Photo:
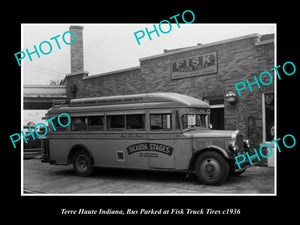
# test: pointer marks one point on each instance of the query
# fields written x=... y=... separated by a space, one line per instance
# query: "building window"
x=269 y=116
x=135 y=122
x=95 y=123
x=160 y=121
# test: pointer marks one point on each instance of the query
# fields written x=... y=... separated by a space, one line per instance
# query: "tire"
x=211 y=168
x=82 y=163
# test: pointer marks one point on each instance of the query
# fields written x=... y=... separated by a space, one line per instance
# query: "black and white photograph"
x=177 y=112
x=165 y=121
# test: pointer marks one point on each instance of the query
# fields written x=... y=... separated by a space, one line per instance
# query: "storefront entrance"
x=268 y=124
x=216 y=113
x=217 y=118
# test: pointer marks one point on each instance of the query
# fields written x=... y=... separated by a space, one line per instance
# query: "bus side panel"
x=136 y=151
x=137 y=160
x=108 y=153
x=58 y=150
x=163 y=156
x=112 y=152
x=183 y=153
x=102 y=148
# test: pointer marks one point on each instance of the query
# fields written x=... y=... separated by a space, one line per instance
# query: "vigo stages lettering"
x=141 y=34
x=13 y=141
x=291 y=71
x=45 y=47
x=264 y=146
x=150 y=147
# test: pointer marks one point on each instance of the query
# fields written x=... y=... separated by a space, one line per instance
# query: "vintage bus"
x=153 y=131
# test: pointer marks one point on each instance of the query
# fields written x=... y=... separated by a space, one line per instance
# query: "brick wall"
x=77 y=50
x=237 y=60
x=122 y=82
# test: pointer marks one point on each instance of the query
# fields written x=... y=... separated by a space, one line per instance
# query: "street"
x=42 y=178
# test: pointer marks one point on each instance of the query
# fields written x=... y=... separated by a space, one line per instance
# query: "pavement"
x=42 y=178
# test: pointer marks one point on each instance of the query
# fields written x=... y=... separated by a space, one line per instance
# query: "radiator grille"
x=239 y=141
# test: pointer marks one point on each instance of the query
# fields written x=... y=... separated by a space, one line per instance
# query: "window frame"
x=161 y=113
x=115 y=129
x=137 y=129
x=88 y=125
x=58 y=128
x=85 y=121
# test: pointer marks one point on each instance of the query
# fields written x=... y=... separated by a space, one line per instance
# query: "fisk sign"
x=194 y=66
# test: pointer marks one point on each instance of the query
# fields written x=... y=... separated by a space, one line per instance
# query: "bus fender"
x=77 y=147
x=214 y=148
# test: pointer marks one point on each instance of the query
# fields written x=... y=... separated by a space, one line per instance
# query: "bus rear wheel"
x=82 y=163
x=211 y=168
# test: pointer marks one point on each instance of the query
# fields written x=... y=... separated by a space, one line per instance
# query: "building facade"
x=207 y=72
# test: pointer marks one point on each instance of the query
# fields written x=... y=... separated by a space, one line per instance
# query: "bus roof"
x=135 y=101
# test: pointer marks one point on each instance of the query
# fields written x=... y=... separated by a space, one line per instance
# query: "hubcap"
x=210 y=168
x=82 y=163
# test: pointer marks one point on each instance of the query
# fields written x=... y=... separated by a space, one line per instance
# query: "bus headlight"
x=246 y=143
x=232 y=146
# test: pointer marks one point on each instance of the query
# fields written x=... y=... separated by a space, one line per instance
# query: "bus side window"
x=116 y=122
x=58 y=128
x=160 y=121
x=95 y=123
x=78 y=123
x=135 y=122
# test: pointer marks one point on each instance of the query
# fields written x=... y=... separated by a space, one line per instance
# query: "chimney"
x=77 y=50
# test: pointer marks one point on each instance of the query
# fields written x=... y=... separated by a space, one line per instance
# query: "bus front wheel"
x=211 y=168
x=82 y=163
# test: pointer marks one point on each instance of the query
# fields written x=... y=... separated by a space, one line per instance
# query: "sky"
x=109 y=47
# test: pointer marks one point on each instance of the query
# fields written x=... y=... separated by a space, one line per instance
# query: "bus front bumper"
x=242 y=163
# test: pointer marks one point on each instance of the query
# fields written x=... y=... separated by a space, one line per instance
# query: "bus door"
x=161 y=141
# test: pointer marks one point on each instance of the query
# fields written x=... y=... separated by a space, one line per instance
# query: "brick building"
x=207 y=71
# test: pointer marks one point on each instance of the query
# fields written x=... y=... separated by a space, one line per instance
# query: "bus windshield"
x=195 y=121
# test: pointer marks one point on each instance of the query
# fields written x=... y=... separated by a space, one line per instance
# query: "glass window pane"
x=160 y=121
x=95 y=123
x=78 y=124
x=116 y=122
x=63 y=120
x=135 y=121
x=156 y=123
x=166 y=121
x=195 y=120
